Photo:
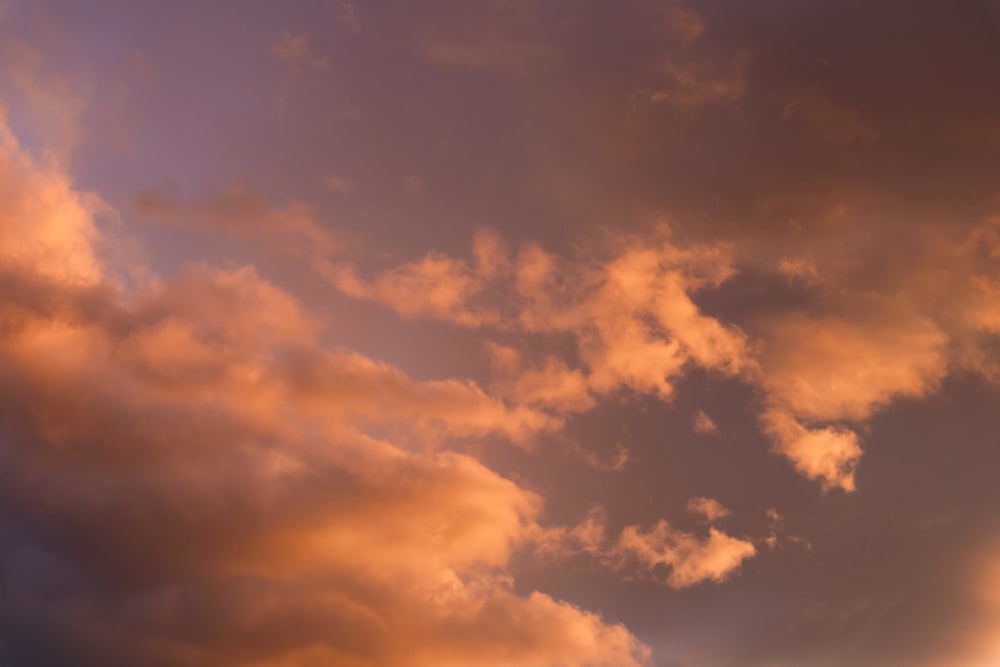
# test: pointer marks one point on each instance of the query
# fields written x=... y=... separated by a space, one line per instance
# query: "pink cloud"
x=194 y=437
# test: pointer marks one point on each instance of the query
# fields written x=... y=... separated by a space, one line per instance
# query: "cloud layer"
x=499 y=333
x=188 y=448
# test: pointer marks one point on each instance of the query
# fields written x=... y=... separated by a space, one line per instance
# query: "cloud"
x=799 y=270
x=436 y=285
x=828 y=455
x=870 y=332
x=295 y=50
x=776 y=522
x=636 y=326
x=291 y=228
x=679 y=559
x=553 y=385
x=830 y=368
x=48 y=230
x=708 y=508
x=209 y=485
x=631 y=315
x=688 y=559
x=703 y=424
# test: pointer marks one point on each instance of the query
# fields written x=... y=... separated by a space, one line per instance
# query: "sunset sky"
x=499 y=333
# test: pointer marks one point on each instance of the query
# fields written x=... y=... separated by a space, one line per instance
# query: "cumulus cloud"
x=553 y=385
x=838 y=368
x=211 y=486
x=834 y=369
x=634 y=324
x=436 y=285
x=689 y=560
x=869 y=333
x=677 y=558
x=48 y=230
x=631 y=315
x=828 y=455
x=708 y=508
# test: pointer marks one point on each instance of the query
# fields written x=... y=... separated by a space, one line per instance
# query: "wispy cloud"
x=295 y=50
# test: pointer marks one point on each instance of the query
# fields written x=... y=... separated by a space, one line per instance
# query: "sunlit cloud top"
x=499 y=333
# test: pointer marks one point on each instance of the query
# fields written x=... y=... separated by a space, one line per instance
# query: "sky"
x=499 y=333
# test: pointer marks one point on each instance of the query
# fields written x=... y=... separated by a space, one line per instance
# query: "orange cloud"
x=690 y=560
x=837 y=368
x=48 y=229
x=554 y=385
x=829 y=455
x=634 y=323
x=684 y=558
x=192 y=447
x=631 y=315
x=709 y=508
x=436 y=285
